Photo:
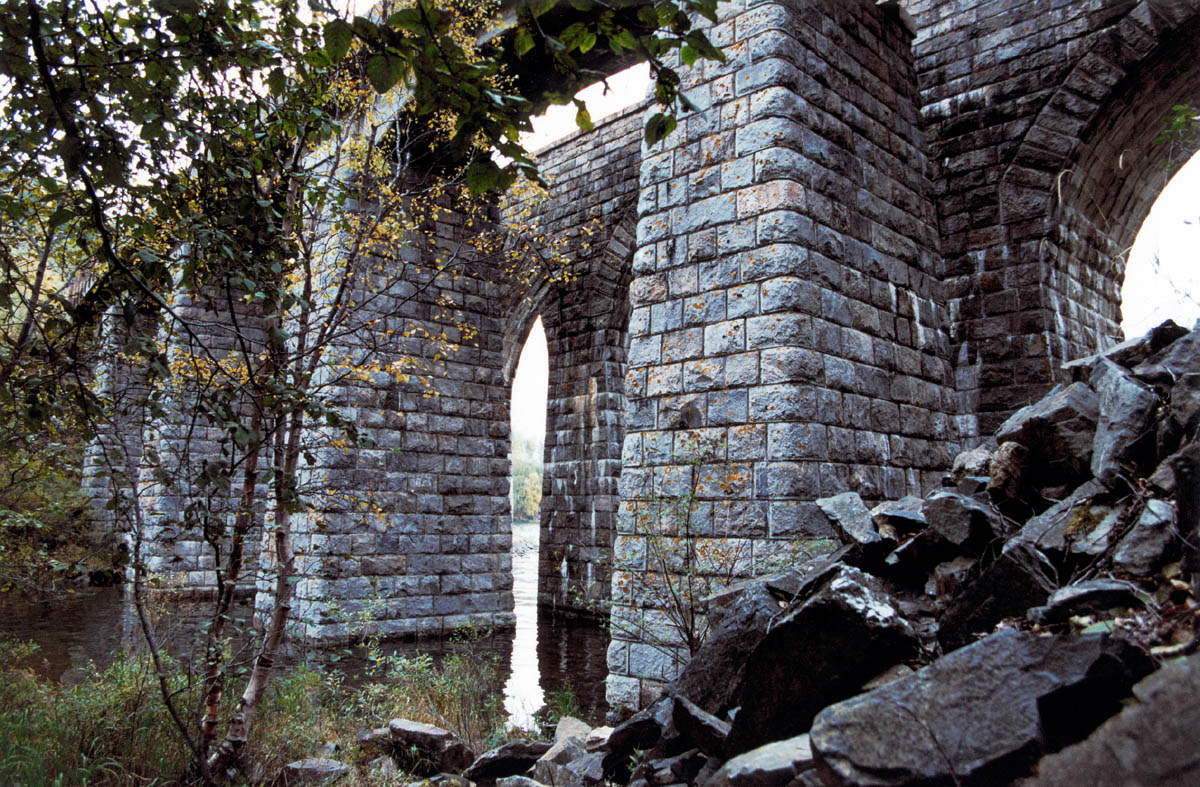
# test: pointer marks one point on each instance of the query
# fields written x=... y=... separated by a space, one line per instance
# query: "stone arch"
x=1095 y=144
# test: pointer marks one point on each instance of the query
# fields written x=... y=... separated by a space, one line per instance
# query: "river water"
x=546 y=655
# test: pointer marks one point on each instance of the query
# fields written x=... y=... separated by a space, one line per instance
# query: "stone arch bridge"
x=883 y=230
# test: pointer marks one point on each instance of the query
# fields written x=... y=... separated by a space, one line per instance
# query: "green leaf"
x=658 y=127
x=482 y=176
x=524 y=41
x=381 y=73
x=275 y=81
x=586 y=42
x=583 y=118
x=338 y=35
x=689 y=55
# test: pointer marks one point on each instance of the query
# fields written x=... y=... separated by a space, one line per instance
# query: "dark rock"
x=910 y=563
x=1058 y=430
x=315 y=771
x=951 y=577
x=1128 y=353
x=1123 y=431
x=896 y=518
x=518 y=781
x=850 y=518
x=713 y=677
x=1185 y=405
x=1077 y=524
x=981 y=715
x=1179 y=357
x=1019 y=579
x=703 y=730
x=680 y=769
x=426 y=750
x=844 y=630
x=773 y=765
x=1087 y=597
x=587 y=770
x=639 y=732
x=1151 y=742
x=1144 y=548
x=511 y=759
x=974 y=484
x=965 y=522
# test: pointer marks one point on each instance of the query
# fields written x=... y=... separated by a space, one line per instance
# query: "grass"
x=113 y=729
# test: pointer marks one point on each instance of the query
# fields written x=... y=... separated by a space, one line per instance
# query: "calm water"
x=545 y=654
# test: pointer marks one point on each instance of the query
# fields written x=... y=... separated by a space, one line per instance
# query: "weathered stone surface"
x=518 y=781
x=597 y=738
x=895 y=518
x=1128 y=353
x=850 y=518
x=772 y=765
x=713 y=678
x=1058 y=430
x=1150 y=742
x=1123 y=430
x=639 y=732
x=703 y=730
x=981 y=715
x=680 y=769
x=551 y=767
x=425 y=750
x=1141 y=551
x=378 y=740
x=967 y=523
x=1089 y=596
x=976 y=462
x=1009 y=472
x=1020 y=578
x=844 y=630
x=316 y=771
x=951 y=577
x=512 y=759
x=571 y=727
x=1075 y=523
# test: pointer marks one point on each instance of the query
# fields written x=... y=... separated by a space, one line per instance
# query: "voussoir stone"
x=983 y=714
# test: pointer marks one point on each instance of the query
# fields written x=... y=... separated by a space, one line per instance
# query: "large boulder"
x=640 y=732
x=981 y=715
x=1153 y=741
x=713 y=678
x=1019 y=579
x=1058 y=430
x=1128 y=353
x=1123 y=432
x=701 y=729
x=842 y=631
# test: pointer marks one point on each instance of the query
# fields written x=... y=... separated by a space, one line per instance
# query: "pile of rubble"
x=1031 y=622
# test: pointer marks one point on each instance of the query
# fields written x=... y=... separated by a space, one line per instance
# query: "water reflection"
x=546 y=655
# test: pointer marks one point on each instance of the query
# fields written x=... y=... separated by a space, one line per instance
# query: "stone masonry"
x=883 y=230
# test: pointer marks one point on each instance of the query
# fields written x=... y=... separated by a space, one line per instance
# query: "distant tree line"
x=526 y=476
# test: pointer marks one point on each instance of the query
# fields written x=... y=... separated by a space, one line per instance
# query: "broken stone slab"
x=1151 y=742
x=550 y=767
x=1020 y=578
x=1180 y=357
x=702 y=729
x=980 y=715
x=850 y=518
x=713 y=677
x=640 y=732
x=844 y=630
x=1088 y=597
x=1128 y=353
x=950 y=577
x=313 y=771
x=910 y=563
x=1058 y=430
x=1009 y=469
x=967 y=523
x=772 y=765
x=680 y=769
x=896 y=518
x=1144 y=548
x=1123 y=431
x=376 y=741
x=512 y=759
x=596 y=739
x=1074 y=524
x=571 y=727
x=426 y=750
x=975 y=462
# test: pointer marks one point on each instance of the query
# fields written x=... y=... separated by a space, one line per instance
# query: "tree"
x=201 y=157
